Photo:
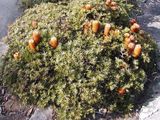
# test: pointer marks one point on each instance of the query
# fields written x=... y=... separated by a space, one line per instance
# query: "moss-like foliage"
x=87 y=71
x=31 y=3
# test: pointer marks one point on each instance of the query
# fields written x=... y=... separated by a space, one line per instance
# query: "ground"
x=150 y=22
x=9 y=11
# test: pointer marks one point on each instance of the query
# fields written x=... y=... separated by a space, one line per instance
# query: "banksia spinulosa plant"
x=83 y=72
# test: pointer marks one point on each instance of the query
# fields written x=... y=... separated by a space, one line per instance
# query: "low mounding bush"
x=31 y=3
x=81 y=57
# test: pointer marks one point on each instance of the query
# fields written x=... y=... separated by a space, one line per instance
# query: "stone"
x=2 y=117
x=154 y=117
x=42 y=114
x=150 y=21
x=149 y=110
x=9 y=11
x=29 y=112
x=0 y=110
x=2 y=91
x=6 y=97
x=15 y=117
x=12 y=106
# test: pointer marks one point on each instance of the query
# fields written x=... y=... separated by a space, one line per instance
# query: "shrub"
x=87 y=71
x=31 y=3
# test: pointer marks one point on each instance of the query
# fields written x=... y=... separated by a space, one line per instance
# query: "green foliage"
x=31 y=3
x=85 y=72
x=1 y=66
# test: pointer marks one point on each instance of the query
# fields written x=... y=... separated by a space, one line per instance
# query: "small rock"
x=103 y=111
x=0 y=110
x=12 y=105
x=45 y=114
x=29 y=112
x=1 y=117
x=14 y=97
x=144 y=109
x=154 y=24
x=156 y=116
x=6 y=97
x=2 y=92
x=16 y=116
x=8 y=105
x=150 y=109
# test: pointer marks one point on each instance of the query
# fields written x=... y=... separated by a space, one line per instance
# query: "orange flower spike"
x=32 y=45
x=113 y=3
x=86 y=27
x=132 y=21
x=114 y=6
x=126 y=42
x=36 y=36
x=135 y=27
x=53 y=42
x=107 y=29
x=137 y=51
x=88 y=7
x=34 y=24
x=132 y=38
x=126 y=35
x=95 y=26
x=121 y=91
x=17 y=56
x=108 y=2
x=131 y=47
